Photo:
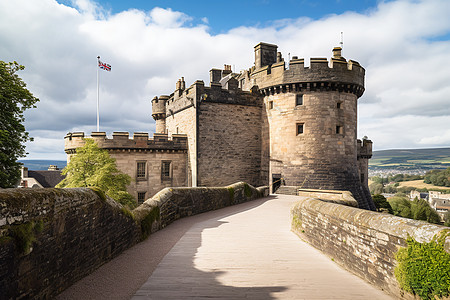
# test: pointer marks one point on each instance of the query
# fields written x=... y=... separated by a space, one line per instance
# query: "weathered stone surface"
x=81 y=230
x=362 y=241
x=153 y=151
x=176 y=203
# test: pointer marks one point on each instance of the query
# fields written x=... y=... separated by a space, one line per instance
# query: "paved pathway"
x=249 y=252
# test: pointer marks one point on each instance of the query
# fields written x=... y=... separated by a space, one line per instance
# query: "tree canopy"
x=438 y=177
x=14 y=100
x=92 y=166
x=382 y=204
x=418 y=209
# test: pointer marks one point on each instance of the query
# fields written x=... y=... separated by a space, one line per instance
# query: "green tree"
x=438 y=177
x=14 y=100
x=421 y=210
x=418 y=209
x=447 y=219
x=382 y=204
x=376 y=188
x=401 y=206
x=92 y=166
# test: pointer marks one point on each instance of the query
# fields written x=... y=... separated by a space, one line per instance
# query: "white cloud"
x=401 y=44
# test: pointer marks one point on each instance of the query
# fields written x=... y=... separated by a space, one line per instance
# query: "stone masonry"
x=275 y=123
x=150 y=154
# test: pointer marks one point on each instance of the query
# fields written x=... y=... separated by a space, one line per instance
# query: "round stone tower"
x=310 y=119
x=159 y=113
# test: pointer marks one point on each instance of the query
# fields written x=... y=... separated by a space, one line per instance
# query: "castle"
x=275 y=123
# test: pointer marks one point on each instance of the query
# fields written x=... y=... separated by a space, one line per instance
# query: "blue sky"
x=222 y=16
x=403 y=45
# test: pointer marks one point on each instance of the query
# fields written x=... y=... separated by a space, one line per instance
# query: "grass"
x=411 y=158
x=420 y=185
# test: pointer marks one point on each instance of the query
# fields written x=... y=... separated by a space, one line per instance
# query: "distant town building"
x=413 y=194
x=440 y=202
x=41 y=179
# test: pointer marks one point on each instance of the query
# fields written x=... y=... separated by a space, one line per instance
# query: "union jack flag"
x=104 y=66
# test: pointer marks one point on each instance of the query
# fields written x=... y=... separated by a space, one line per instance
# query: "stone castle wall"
x=153 y=152
x=72 y=232
x=223 y=128
x=311 y=144
x=311 y=121
x=185 y=122
x=361 y=241
x=321 y=157
x=229 y=146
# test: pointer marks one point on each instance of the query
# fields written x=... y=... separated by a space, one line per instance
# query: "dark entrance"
x=276 y=182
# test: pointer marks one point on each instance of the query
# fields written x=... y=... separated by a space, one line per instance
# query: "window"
x=141 y=197
x=298 y=99
x=140 y=170
x=300 y=128
x=339 y=129
x=270 y=104
x=165 y=170
x=339 y=105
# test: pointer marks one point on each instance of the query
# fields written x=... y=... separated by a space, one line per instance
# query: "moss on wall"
x=147 y=221
x=231 y=193
x=424 y=268
x=247 y=190
x=127 y=212
x=25 y=234
x=99 y=192
x=296 y=223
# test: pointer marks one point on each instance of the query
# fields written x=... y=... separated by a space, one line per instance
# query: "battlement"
x=322 y=74
x=364 y=148
x=224 y=88
x=121 y=141
x=159 y=107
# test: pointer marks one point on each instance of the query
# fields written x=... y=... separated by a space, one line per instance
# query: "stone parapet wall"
x=338 y=75
x=51 y=238
x=361 y=241
x=172 y=204
x=71 y=233
x=339 y=197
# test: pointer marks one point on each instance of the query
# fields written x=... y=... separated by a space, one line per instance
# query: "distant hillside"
x=410 y=159
x=42 y=164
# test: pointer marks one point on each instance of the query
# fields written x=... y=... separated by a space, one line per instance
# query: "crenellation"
x=269 y=123
x=121 y=140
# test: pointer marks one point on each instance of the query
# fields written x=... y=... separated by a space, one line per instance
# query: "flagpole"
x=98 y=96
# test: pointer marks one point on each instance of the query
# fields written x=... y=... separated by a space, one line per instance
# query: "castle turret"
x=159 y=113
x=310 y=117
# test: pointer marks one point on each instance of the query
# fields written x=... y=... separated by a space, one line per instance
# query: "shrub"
x=423 y=268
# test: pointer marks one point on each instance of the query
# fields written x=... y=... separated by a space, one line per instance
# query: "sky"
x=403 y=45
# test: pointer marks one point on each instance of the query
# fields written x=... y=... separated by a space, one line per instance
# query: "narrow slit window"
x=339 y=129
x=300 y=128
x=299 y=99
x=270 y=104
x=165 y=170
x=339 y=105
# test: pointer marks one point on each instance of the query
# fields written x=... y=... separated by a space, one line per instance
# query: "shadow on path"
x=124 y=275
x=178 y=275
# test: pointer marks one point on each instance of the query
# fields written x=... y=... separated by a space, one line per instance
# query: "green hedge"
x=424 y=268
